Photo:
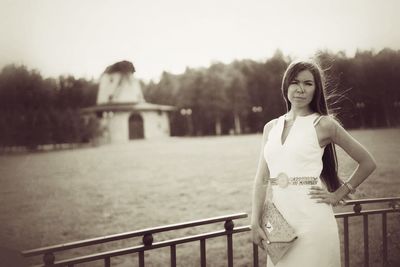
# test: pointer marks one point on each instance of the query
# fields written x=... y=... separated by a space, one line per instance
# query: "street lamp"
x=187 y=112
x=396 y=105
x=257 y=111
x=360 y=106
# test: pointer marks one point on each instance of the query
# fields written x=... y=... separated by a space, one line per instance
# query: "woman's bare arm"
x=330 y=131
x=260 y=191
x=339 y=136
x=260 y=181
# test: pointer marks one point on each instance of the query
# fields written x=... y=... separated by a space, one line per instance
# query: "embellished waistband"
x=283 y=180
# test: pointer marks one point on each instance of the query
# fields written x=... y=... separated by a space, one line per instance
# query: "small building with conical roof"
x=122 y=110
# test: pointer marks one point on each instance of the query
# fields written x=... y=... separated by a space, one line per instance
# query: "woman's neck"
x=294 y=112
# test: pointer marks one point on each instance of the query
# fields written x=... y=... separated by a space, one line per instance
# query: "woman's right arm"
x=260 y=190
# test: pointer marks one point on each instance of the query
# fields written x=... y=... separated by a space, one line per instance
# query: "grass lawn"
x=62 y=196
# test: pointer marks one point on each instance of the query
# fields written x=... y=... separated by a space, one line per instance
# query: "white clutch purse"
x=280 y=234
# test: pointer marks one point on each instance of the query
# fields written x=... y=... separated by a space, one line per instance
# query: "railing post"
x=229 y=225
x=48 y=259
x=107 y=262
x=230 y=250
x=357 y=208
x=366 y=242
x=203 y=261
x=255 y=255
x=346 y=241
x=147 y=241
x=141 y=258
x=173 y=256
x=384 y=240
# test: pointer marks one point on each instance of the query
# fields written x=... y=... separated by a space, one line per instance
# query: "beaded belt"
x=283 y=180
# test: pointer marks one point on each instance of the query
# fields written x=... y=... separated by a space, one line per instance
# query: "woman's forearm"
x=363 y=170
x=259 y=194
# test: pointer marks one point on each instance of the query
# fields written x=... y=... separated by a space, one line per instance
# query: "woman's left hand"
x=322 y=195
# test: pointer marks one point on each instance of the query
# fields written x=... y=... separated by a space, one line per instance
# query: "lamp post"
x=187 y=113
x=360 y=106
x=256 y=111
x=396 y=105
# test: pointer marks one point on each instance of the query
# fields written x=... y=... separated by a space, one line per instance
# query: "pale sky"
x=83 y=37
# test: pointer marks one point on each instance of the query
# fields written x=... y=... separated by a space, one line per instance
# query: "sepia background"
x=218 y=65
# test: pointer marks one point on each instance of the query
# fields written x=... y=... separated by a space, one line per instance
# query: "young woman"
x=298 y=160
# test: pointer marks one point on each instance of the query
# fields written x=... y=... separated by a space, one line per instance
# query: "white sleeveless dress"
x=300 y=155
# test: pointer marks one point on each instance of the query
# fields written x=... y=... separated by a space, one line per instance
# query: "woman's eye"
x=293 y=82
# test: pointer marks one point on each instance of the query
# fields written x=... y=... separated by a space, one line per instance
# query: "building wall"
x=156 y=124
x=118 y=127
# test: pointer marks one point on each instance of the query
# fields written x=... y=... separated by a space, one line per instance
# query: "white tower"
x=117 y=85
x=122 y=110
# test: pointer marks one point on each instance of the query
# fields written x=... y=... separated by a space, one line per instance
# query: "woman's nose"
x=300 y=88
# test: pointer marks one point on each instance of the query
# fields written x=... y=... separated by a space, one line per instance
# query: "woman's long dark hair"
x=318 y=104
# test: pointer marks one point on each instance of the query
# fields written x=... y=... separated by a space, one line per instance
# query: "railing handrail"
x=115 y=237
x=364 y=212
x=160 y=244
x=371 y=200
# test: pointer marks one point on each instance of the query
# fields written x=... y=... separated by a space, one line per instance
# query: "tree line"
x=36 y=111
x=363 y=92
x=239 y=97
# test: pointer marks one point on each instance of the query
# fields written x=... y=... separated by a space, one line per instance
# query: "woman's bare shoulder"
x=268 y=126
x=327 y=124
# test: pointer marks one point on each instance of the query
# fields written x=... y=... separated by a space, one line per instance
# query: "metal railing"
x=394 y=206
x=49 y=259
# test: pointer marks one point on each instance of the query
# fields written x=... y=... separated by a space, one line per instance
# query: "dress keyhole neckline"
x=283 y=142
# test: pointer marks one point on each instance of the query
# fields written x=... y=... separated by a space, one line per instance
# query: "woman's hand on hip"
x=322 y=195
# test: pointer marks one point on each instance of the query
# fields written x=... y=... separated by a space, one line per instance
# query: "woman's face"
x=301 y=89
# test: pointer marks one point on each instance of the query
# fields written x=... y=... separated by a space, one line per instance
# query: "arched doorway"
x=136 y=127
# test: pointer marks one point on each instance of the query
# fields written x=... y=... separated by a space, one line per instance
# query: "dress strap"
x=317 y=120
